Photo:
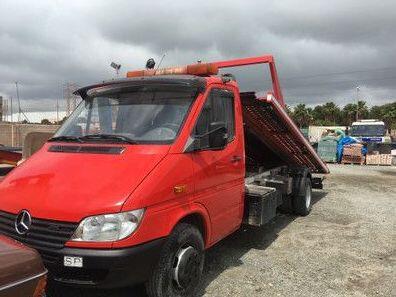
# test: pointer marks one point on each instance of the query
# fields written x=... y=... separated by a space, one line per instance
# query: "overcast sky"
x=323 y=48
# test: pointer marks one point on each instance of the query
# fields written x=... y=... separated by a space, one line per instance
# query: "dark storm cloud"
x=44 y=44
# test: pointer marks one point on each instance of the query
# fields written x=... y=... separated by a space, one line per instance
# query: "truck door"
x=219 y=173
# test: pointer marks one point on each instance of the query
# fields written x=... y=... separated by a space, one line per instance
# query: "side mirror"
x=215 y=139
x=218 y=135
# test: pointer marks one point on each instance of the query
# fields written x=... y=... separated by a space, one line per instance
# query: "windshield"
x=368 y=130
x=141 y=115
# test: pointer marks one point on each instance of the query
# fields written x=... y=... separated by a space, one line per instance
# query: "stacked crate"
x=327 y=150
x=352 y=154
x=373 y=158
x=386 y=159
x=379 y=159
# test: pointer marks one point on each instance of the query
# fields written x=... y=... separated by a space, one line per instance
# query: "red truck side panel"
x=219 y=179
x=214 y=176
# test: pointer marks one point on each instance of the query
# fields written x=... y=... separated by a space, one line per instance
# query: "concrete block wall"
x=5 y=134
x=12 y=134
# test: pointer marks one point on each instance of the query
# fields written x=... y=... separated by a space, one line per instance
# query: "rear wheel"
x=181 y=263
x=302 y=201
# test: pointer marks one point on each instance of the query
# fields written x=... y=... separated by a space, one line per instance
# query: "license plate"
x=69 y=261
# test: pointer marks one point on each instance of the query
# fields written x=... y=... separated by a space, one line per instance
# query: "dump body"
x=268 y=121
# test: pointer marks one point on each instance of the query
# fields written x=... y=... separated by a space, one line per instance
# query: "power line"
x=314 y=75
x=337 y=73
x=344 y=81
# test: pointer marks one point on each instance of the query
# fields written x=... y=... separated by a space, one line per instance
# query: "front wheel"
x=180 y=267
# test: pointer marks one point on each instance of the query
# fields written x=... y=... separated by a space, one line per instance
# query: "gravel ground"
x=345 y=247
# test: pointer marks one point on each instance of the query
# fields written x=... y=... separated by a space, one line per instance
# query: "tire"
x=180 y=267
x=287 y=205
x=302 y=200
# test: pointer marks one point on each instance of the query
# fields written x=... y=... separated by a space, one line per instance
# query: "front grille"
x=80 y=276
x=44 y=235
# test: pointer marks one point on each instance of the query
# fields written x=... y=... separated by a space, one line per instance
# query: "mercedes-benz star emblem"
x=23 y=222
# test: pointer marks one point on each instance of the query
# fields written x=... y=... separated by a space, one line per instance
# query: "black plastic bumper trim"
x=122 y=267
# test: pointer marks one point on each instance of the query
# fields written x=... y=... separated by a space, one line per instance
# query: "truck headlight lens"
x=108 y=227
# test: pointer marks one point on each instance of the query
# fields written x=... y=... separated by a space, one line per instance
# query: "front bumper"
x=106 y=268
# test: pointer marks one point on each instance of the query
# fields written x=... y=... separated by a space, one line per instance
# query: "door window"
x=219 y=107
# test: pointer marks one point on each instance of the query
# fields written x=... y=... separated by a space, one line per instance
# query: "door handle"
x=236 y=159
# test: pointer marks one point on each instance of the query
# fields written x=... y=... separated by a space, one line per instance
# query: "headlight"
x=108 y=227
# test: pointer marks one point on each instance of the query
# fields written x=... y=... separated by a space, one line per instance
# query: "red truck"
x=150 y=171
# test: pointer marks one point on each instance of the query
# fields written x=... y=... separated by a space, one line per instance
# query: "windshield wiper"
x=66 y=138
x=111 y=137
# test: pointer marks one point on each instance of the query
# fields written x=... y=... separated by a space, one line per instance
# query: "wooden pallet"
x=351 y=163
x=359 y=160
x=353 y=150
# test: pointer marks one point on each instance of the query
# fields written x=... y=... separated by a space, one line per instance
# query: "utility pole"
x=69 y=97
x=20 y=111
x=19 y=102
x=6 y=108
x=57 y=110
x=357 y=103
x=2 y=108
x=12 y=112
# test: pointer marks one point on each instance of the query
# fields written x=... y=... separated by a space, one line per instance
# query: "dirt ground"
x=345 y=247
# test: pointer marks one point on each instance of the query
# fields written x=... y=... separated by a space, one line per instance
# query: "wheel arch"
x=198 y=218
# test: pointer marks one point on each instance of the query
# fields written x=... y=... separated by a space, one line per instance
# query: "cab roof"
x=185 y=80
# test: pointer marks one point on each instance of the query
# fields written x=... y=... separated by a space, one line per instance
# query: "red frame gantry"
x=267 y=59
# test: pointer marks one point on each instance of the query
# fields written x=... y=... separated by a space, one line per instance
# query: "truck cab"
x=150 y=171
x=370 y=131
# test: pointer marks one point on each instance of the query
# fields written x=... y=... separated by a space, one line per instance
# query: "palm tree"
x=362 y=110
x=376 y=112
x=317 y=114
x=302 y=115
x=351 y=112
x=331 y=113
x=348 y=114
x=389 y=116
